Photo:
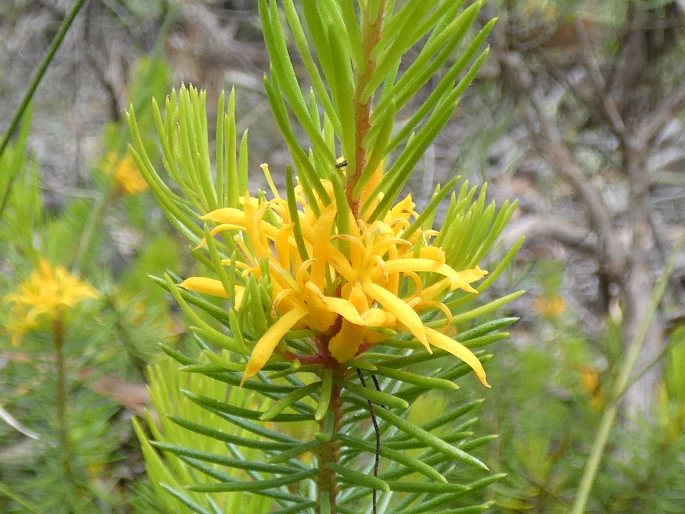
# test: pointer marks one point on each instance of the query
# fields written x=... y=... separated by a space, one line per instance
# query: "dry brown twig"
x=625 y=262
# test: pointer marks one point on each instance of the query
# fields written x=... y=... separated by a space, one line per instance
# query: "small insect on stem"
x=341 y=163
x=372 y=412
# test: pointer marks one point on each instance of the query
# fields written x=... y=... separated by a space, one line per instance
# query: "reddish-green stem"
x=371 y=33
x=62 y=414
x=329 y=452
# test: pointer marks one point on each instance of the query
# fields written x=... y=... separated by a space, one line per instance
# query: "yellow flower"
x=125 y=174
x=43 y=296
x=590 y=378
x=549 y=307
x=353 y=289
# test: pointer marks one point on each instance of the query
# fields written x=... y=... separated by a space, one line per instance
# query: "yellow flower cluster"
x=549 y=307
x=352 y=289
x=43 y=296
x=125 y=174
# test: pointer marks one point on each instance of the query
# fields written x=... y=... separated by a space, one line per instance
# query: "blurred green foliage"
x=549 y=390
x=548 y=386
x=106 y=346
x=163 y=491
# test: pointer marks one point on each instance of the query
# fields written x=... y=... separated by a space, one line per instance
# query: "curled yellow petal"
x=459 y=351
x=227 y=215
x=473 y=274
x=337 y=260
x=239 y=293
x=378 y=318
x=246 y=220
x=205 y=286
x=434 y=290
x=268 y=342
x=404 y=209
x=269 y=180
x=432 y=252
x=321 y=244
x=280 y=296
x=217 y=230
x=399 y=308
x=384 y=246
x=426 y=304
x=469 y=275
x=356 y=296
x=410 y=264
x=463 y=285
x=344 y=345
x=238 y=264
x=302 y=274
x=344 y=308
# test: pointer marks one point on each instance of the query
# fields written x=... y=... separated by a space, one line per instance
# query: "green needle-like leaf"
x=487 y=308
x=440 y=499
x=294 y=452
x=398 y=456
x=257 y=428
x=361 y=479
x=486 y=328
x=428 y=439
x=180 y=357
x=226 y=478
x=425 y=487
x=194 y=506
x=324 y=394
x=374 y=396
x=218 y=338
x=448 y=417
x=429 y=210
x=419 y=380
x=253 y=486
x=468 y=510
x=228 y=438
x=286 y=401
x=295 y=509
x=238 y=411
x=223 y=460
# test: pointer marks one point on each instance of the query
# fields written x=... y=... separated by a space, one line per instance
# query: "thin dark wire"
x=377 y=457
x=378 y=386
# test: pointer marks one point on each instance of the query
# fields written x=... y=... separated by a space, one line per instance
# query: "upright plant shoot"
x=341 y=300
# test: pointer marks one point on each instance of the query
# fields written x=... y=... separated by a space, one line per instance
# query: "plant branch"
x=62 y=413
x=607 y=421
x=605 y=100
x=662 y=114
x=329 y=453
x=371 y=33
x=377 y=431
x=98 y=211
x=40 y=72
x=548 y=226
x=549 y=141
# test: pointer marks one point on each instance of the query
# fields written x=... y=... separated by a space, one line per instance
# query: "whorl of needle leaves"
x=352 y=54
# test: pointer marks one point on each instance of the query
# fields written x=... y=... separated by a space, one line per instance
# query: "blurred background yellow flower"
x=549 y=307
x=43 y=296
x=125 y=174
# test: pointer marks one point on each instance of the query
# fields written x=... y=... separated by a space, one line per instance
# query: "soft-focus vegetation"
x=578 y=112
